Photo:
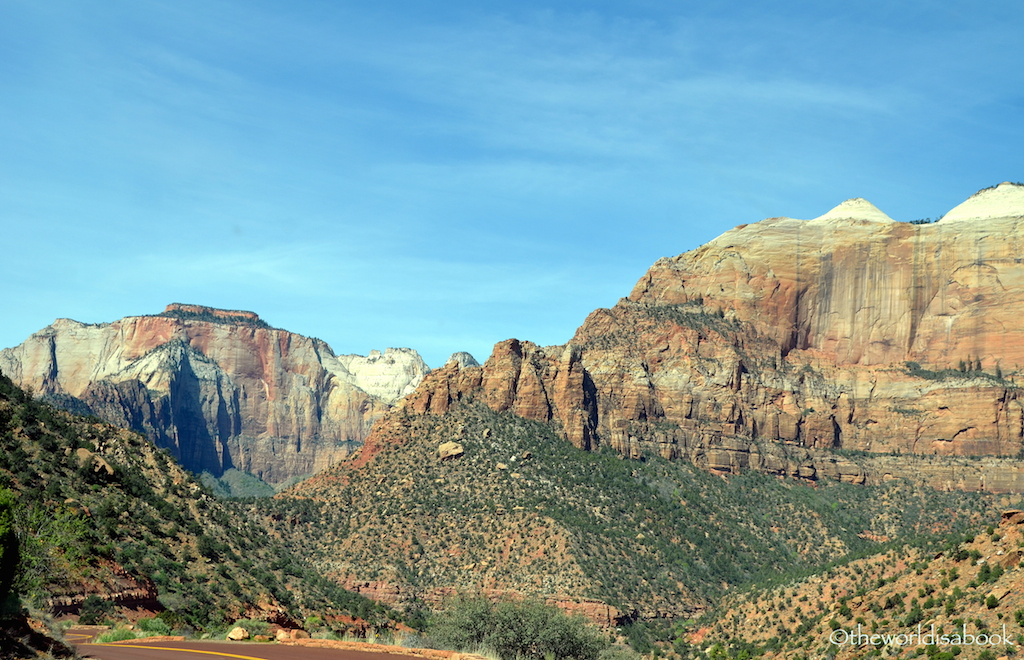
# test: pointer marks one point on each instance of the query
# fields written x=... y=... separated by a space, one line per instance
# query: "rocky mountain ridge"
x=782 y=341
x=219 y=388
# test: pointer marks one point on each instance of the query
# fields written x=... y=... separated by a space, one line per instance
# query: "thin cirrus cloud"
x=336 y=275
x=511 y=94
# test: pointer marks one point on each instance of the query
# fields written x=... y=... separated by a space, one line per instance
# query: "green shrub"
x=116 y=635
x=619 y=653
x=154 y=626
x=254 y=627
x=94 y=611
x=513 y=630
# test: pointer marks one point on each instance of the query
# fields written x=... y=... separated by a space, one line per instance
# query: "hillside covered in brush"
x=102 y=513
x=970 y=587
x=522 y=510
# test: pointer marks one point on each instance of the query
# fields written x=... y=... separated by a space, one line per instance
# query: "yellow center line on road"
x=165 y=648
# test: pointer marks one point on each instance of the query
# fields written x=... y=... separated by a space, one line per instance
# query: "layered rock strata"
x=219 y=388
x=780 y=342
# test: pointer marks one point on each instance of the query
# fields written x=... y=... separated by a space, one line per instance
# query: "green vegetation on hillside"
x=693 y=315
x=642 y=535
x=970 y=583
x=99 y=510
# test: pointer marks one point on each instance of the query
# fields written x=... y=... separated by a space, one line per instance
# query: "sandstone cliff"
x=782 y=341
x=219 y=388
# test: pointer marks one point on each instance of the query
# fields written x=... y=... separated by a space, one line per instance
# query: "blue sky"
x=448 y=175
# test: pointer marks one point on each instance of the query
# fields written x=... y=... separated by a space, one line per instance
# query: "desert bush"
x=94 y=610
x=116 y=635
x=619 y=653
x=154 y=626
x=528 y=629
x=254 y=627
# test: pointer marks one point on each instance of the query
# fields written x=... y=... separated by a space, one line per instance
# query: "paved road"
x=211 y=650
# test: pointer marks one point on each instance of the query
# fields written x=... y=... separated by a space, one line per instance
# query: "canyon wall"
x=218 y=388
x=780 y=342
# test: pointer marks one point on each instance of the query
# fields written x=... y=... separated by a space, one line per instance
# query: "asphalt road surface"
x=210 y=650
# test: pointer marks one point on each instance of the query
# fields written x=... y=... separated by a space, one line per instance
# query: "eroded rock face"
x=782 y=339
x=219 y=388
x=857 y=289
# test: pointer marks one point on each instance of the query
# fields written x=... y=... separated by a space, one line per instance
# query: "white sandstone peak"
x=1002 y=201
x=388 y=376
x=463 y=359
x=855 y=209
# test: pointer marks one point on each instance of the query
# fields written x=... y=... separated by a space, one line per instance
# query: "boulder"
x=284 y=634
x=238 y=633
x=999 y=593
x=98 y=464
x=450 y=450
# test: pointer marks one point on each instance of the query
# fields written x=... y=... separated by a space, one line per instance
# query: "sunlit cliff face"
x=796 y=333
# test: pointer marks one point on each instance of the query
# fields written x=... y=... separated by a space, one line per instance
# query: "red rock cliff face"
x=539 y=384
x=782 y=339
x=221 y=393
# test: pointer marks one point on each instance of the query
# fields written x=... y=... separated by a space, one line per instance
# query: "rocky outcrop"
x=118 y=587
x=598 y=612
x=220 y=389
x=782 y=341
x=98 y=464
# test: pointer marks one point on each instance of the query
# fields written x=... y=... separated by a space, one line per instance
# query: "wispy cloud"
x=358 y=272
x=481 y=172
